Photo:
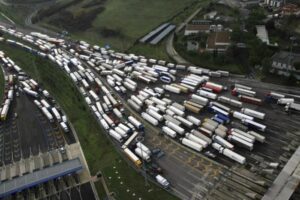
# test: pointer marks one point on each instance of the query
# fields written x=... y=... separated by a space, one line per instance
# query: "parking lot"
x=195 y=177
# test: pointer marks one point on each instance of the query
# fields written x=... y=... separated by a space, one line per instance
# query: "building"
x=218 y=41
x=193 y=29
x=290 y=9
x=274 y=3
x=283 y=63
x=262 y=34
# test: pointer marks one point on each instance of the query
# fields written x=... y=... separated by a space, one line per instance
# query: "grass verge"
x=98 y=150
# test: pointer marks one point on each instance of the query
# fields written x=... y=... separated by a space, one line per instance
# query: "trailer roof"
x=30 y=180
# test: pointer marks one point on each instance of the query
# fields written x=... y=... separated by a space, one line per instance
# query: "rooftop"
x=32 y=179
x=218 y=40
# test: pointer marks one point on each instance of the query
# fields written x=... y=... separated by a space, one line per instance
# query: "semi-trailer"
x=121 y=132
x=217 y=88
x=242 y=86
x=230 y=154
x=193 y=104
x=117 y=112
x=184 y=121
x=136 y=123
x=108 y=120
x=284 y=101
x=129 y=140
x=240 y=132
x=150 y=119
x=219 y=105
x=191 y=144
x=115 y=135
x=56 y=114
x=171 y=88
x=207 y=94
x=171 y=119
x=169 y=131
x=292 y=107
x=180 y=87
x=176 y=111
x=255 y=125
x=258 y=137
x=251 y=100
x=175 y=127
x=218 y=111
x=144 y=148
x=162 y=181
x=158 y=101
x=201 y=100
x=194 y=120
x=142 y=154
x=240 y=142
x=220 y=132
x=47 y=114
x=230 y=101
x=31 y=92
x=241 y=91
x=191 y=108
x=205 y=131
x=196 y=139
x=104 y=124
x=241 y=116
x=133 y=157
x=253 y=113
x=222 y=142
x=135 y=106
x=202 y=136
x=155 y=115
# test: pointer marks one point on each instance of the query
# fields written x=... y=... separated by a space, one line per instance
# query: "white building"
x=274 y=3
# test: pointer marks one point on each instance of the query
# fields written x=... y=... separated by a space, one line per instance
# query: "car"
x=160 y=154
x=156 y=151
x=210 y=154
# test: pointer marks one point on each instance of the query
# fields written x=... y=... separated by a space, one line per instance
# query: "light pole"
x=141 y=139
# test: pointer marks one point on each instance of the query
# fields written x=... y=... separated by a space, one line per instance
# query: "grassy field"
x=98 y=150
x=121 y=22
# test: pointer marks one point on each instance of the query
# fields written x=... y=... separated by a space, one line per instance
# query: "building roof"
x=29 y=180
x=286 y=57
x=218 y=40
x=197 y=27
x=163 y=34
x=262 y=33
x=287 y=181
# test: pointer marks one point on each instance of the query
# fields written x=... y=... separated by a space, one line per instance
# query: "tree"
x=266 y=65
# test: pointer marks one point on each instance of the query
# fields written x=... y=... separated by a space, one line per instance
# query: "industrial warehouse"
x=197 y=133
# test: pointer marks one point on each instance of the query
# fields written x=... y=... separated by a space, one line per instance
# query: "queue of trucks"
x=30 y=87
x=232 y=122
